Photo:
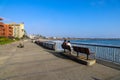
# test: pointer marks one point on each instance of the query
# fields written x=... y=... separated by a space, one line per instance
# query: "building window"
x=1 y=26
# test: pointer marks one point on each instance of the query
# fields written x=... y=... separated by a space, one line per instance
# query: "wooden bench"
x=82 y=50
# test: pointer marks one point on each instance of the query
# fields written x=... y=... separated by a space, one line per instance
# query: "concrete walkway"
x=35 y=63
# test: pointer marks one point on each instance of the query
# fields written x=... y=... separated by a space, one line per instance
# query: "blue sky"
x=65 y=18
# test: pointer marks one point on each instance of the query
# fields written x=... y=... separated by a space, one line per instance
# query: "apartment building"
x=18 y=29
x=6 y=30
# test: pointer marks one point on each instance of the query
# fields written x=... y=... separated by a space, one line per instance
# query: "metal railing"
x=104 y=52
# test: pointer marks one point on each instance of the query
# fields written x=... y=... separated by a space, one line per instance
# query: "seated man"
x=70 y=46
x=67 y=45
x=64 y=45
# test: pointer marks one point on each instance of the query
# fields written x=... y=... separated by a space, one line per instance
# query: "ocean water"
x=110 y=42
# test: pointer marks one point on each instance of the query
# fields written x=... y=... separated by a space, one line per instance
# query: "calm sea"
x=111 y=42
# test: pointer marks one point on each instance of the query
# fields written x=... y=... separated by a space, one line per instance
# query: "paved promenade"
x=35 y=63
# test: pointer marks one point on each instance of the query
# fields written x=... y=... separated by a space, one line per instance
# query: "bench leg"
x=94 y=56
x=70 y=53
x=87 y=57
x=77 y=54
x=64 y=50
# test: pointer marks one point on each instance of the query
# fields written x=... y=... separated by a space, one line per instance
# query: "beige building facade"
x=18 y=30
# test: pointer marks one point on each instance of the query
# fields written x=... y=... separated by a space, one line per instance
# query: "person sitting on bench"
x=64 y=45
x=69 y=44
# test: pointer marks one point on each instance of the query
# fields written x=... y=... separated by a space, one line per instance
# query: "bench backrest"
x=81 y=50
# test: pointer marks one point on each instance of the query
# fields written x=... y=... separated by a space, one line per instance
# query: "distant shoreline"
x=90 y=39
x=99 y=38
x=79 y=39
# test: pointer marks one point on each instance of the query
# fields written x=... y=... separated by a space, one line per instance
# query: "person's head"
x=65 y=40
x=69 y=41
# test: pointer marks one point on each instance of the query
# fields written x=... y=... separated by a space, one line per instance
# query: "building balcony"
x=1 y=26
x=10 y=30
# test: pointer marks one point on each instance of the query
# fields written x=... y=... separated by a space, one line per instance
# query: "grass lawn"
x=5 y=41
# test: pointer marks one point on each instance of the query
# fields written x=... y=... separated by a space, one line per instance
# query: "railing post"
x=87 y=56
x=114 y=56
x=77 y=54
